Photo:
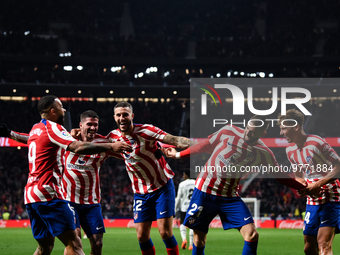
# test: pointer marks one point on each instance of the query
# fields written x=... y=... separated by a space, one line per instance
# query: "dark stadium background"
x=146 y=52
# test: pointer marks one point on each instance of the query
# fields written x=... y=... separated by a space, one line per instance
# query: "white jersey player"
x=184 y=193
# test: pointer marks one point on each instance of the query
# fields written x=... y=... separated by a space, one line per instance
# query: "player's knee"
x=142 y=237
x=310 y=249
x=45 y=249
x=96 y=247
x=165 y=234
x=325 y=245
x=254 y=236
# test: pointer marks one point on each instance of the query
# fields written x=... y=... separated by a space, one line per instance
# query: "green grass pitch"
x=122 y=241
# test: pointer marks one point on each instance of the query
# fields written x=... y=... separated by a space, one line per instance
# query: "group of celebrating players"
x=63 y=187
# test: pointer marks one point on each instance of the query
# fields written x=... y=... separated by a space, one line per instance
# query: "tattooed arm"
x=179 y=141
x=87 y=148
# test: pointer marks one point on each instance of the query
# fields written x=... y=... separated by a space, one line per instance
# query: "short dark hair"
x=256 y=118
x=89 y=114
x=294 y=115
x=187 y=172
x=124 y=105
x=45 y=103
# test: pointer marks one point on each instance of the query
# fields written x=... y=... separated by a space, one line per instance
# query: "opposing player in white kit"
x=150 y=175
x=316 y=163
x=184 y=193
x=49 y=214
x=216 y=192
x=82 y=184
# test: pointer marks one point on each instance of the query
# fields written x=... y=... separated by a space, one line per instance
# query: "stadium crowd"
x=117 y=197
x=120 y=31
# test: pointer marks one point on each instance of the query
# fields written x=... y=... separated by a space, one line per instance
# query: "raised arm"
x=19 y=137
x=204 y=146
x=179 y=142
x=87 y=148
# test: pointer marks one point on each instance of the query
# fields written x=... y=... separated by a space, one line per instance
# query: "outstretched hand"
x=311 y=190
x=4 y=130
x=120 y=147
x=170 y=152
x=76 y=133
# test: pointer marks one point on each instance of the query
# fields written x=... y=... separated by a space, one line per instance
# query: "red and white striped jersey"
x=80 y=178
x=147 y=169
x=230 y=161
x=316 y=158
x=44 y=178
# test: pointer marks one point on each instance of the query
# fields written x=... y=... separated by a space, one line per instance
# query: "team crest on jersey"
x=308 y=159
x=81 y=161
x=326 y=148
x=135 y=216
x=191 y=220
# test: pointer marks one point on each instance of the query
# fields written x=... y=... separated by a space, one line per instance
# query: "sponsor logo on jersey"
x=65 y=133
x=36 y=131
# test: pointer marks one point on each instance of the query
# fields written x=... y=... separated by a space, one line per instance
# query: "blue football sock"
x=250 y=248
x=170 y=242
x=146 y=245
x=197 y=250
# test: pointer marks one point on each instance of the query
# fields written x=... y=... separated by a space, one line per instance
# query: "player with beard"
x=50 y=215
x=150 y=175
x=216 y=192
x=82 y=184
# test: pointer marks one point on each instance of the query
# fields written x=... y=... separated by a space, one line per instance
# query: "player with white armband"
x=184 y=193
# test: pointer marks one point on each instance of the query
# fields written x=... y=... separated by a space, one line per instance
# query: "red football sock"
x=173 y=251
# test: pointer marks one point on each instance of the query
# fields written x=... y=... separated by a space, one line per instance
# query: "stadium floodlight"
x=262 y=74
x=218 y=75
x=14 y=90
x=47 y=91
x=116 y=68
x=271 y=75
x=111 y=92
x=242 y=73
x=334 y=90
x=235 y=73
x=140 y=75
x=79 y=91
x=80 y=68
x=167 y=73
x=143 y=92
x=27 y=32
x=175 y=92
x=61 y=55
x=68 y=68
x=229 y=74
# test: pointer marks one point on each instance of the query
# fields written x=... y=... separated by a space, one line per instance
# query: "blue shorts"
x=156 y=205
x=317 y=216
x=52 y=217
x=89 y=217
x=203 y=208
